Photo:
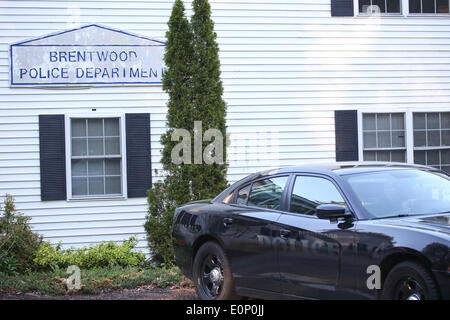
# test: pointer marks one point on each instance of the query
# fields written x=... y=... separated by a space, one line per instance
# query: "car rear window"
x=267 y=193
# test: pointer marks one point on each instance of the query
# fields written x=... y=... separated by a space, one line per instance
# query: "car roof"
x=343 y=168
x=327 y=168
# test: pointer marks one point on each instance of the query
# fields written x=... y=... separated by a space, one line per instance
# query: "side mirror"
x=332 y=212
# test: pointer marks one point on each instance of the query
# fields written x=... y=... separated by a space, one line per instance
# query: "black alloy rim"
x=212 y=276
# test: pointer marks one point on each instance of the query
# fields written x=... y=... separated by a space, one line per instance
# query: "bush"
x=158 y=226
x=18 y=243
x=106 y=254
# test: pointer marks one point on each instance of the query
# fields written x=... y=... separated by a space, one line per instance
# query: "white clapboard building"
x=82 y=108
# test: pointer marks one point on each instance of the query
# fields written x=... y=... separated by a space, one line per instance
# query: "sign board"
x=90 y=55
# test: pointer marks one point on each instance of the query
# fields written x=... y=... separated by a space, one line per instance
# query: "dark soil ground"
x=142 y=293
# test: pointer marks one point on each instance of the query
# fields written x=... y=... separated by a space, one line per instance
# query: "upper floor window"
x=428 y=6
x=379 y=6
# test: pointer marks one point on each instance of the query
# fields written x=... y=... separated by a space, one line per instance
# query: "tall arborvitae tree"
x=175 y=190
x=209 y=107
x=192 y=81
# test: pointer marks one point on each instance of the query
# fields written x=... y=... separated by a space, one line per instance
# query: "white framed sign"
x=90 y=55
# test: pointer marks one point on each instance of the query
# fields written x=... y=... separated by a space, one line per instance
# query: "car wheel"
x=409 y=281
x=212 y=273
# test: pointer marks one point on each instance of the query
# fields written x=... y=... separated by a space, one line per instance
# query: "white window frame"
x=409 y=129
x=68 y=140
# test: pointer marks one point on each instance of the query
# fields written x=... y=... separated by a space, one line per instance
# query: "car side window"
x=309 y=192
x=243 y=195
x=267 y=193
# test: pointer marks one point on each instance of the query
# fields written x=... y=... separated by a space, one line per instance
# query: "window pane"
x=309 y=192
x=370 y=140
x=398 y=156
x=113 y=185
x=369 y=122
x=442 y=6
x=398 y=122
x=112 y=127
x=398 y=139
x=433 y=158
x=364 y=5
x=112 y=146
x=383 y=121
x=267 y=193
x=242 y=195
x=95 y=146
x=78 y=127
x=393 y=6
x=419 y=157
x=95 y=127
x=419 y=121
x=380 y=4
x=95 y=167
x=79 y=186
x=445 y=120
x=384 y=139
x=446 y=137
x=433 y=121
x=414 y=6
x=96 y=186
x=428 y=6
x=79 y=147
x=445 y=157
x=383 y=156
x=434 y=138
x=420 y=139
x=112 y=167
x=79 y=168
x=369 y=156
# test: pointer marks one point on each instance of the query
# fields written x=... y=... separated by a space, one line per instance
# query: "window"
x=95 y=157
x=309 y=192
x=432 y=139
x=267 y=193
x=381 y=6
x=384 y=137
x=243 y=195
x=428 y=6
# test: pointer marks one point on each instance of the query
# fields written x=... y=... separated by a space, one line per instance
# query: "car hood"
x=434 y=223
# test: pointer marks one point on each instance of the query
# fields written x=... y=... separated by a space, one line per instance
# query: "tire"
x=211 y=263
x=409 y=281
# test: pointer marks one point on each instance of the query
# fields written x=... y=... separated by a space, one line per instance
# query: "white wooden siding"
x=286 y=66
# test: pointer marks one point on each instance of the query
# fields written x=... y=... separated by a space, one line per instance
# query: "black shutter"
x=346 y=126
x=342 y=8
x=139 y=169
x=52 y=157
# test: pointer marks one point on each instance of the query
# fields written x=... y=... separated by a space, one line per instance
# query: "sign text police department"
x=87 y=56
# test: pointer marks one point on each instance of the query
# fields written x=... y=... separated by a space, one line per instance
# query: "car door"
x=251 y=231
x=314 y=254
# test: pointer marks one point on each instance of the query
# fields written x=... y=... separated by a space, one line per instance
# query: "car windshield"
x=401 y=192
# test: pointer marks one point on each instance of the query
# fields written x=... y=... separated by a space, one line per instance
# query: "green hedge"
x=105 y=254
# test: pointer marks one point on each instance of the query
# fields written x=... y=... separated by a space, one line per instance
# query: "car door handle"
x=285 y=233
x=227 y=221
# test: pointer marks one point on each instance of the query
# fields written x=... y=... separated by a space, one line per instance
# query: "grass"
x=93 y=281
